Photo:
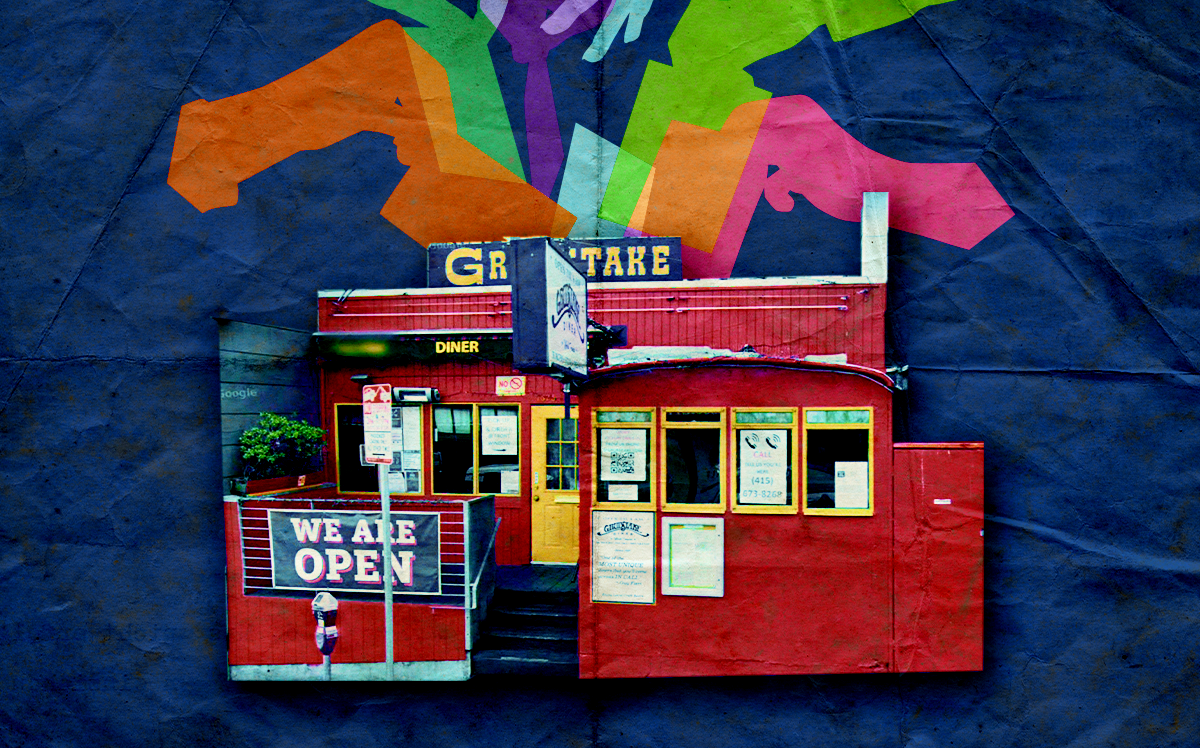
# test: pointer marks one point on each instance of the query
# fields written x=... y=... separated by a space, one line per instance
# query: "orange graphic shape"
x=455 y=154
x=697 y=171
x=368 y=84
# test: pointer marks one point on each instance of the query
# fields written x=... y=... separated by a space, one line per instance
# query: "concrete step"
x=525 y=662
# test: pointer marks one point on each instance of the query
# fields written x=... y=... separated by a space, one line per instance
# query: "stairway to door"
x=532 y=625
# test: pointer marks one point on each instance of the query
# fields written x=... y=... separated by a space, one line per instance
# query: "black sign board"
x=462 y=265
x=549 y=303
x=341 y=550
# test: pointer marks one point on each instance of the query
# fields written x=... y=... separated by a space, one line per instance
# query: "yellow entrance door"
x=555 y=521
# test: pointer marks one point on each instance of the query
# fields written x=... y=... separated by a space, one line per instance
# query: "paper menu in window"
x=851 y=489
x=510 y=482
x=498 y=435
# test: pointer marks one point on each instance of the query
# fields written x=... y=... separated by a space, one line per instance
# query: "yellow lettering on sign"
x=496 y=260
x=635 y=265
x=456 y=346
x=612 y=262
x=661 y=253
x=473 y=275
x=591 y=254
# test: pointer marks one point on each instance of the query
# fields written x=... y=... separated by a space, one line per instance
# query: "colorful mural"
x=701 y=145
x=164 y=163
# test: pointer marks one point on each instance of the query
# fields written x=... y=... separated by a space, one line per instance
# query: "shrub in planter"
x=279 y=446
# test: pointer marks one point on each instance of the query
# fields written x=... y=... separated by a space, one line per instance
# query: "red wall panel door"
x=938 y=557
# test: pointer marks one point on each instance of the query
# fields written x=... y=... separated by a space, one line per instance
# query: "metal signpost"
x=377 y=436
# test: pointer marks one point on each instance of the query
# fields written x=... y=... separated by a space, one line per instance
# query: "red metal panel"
x=803 y=594
x=939 y=557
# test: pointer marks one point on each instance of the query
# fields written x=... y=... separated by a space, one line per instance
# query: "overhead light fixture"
x=360 y=378
x=415 y=395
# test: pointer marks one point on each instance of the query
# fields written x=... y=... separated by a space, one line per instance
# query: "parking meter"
x=324 y=607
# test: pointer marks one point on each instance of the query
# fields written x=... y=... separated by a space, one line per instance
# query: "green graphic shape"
x=710 y=48
x=460 y=44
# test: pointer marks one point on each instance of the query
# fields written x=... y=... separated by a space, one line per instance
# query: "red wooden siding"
x=938 y=557
x=777 y=320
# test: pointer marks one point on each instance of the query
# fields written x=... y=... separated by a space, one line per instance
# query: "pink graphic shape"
x=816 y=158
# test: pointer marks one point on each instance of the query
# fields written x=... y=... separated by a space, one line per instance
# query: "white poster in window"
x=410 y=420
x=693 y=556
x=498 y=434
x=851 y=488
x=510 y=482
x=622 y=454
x=411 y=459
x=622 y=492
x=762 y=466
x=622 y=557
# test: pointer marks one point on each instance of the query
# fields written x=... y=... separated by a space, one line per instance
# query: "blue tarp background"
x=1067 y=341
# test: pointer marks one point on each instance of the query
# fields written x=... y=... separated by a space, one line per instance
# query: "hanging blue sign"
x=549 y=302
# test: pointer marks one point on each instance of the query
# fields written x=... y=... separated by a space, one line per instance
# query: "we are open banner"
x=341 y=550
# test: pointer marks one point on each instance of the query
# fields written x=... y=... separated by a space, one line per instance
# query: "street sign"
x=377 y=423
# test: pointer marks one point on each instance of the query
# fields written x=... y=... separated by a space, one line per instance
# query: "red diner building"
x=724 y=490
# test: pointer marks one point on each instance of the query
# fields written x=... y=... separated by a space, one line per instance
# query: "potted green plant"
x=278 y=453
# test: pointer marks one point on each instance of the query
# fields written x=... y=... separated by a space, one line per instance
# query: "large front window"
x=476 y=449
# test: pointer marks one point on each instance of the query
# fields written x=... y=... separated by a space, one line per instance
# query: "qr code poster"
x=623 y=455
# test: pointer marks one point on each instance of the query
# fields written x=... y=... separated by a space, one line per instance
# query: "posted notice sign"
x=693 y=556
x=622 y=557
x=377 y=424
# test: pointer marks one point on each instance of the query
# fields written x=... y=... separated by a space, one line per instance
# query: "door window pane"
x=562 y=468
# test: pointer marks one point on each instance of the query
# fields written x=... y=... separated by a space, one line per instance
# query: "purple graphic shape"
x=522 y=27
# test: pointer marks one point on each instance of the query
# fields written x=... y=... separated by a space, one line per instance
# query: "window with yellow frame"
x=839 y=470
x=692 y=477
x=765 y=453
x=625 y=450
x=354 y=475
x=476 y=449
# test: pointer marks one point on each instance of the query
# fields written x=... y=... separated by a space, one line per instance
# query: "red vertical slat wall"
x=464 y=383
x=938 y=557
x=274 y=630
x=777 y=320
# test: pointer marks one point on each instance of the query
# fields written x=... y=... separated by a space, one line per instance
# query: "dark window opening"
x=826 y=449
x=693 y=466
